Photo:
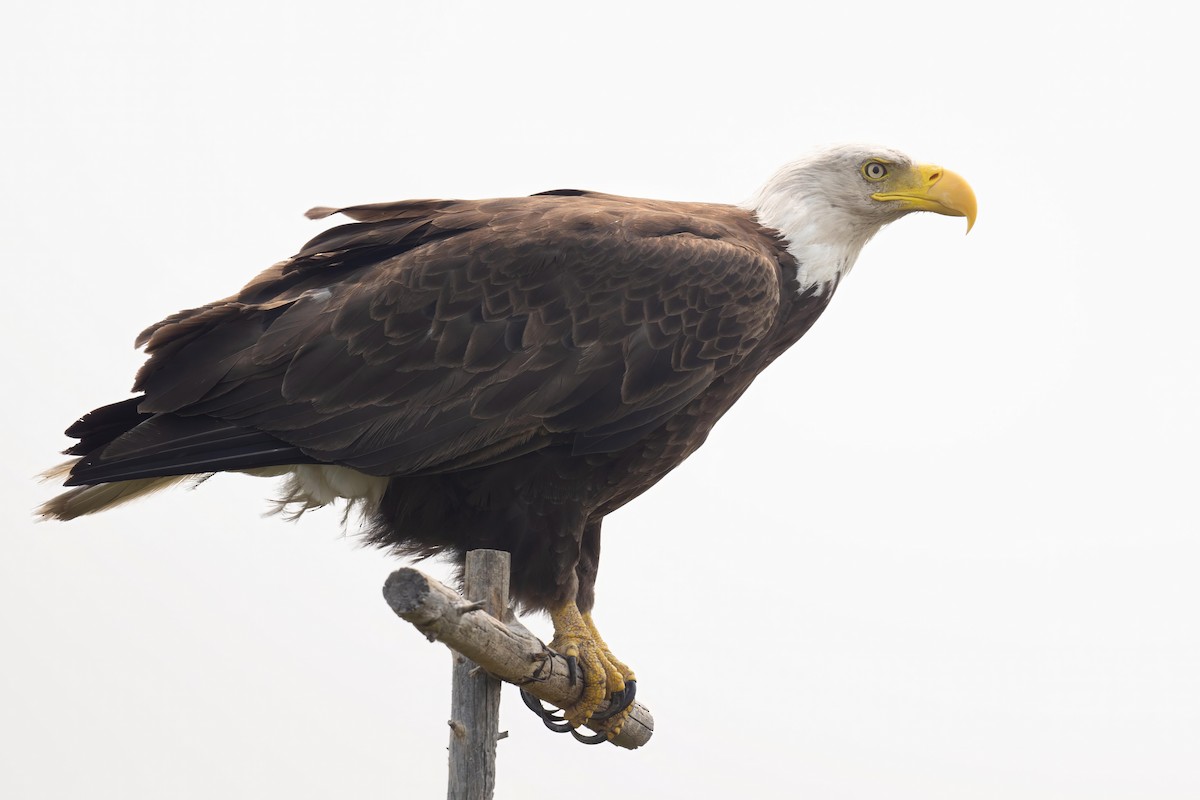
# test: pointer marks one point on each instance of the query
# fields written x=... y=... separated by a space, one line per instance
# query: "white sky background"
x=947 y=547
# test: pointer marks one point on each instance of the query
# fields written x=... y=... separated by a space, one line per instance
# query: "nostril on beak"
x=935 y=176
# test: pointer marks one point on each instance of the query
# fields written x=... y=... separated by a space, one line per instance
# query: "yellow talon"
x=618 y=673
x=575 y=636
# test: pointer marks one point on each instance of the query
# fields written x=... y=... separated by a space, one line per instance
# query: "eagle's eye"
x=874 y=171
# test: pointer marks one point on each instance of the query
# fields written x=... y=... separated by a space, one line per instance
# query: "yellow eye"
x=874 y=171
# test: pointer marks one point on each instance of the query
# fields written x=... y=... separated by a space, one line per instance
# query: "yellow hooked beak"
x=928 y=188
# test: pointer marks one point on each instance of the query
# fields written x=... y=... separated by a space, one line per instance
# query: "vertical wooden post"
x=475 y=695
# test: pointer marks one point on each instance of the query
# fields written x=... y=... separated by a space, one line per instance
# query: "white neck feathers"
x=822 y=234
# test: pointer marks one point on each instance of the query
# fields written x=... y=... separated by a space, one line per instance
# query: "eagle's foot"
x=604 y=677
x=622 y=688
x=574 y=639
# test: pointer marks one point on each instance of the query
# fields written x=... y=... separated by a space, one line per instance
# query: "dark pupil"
x=875 y=170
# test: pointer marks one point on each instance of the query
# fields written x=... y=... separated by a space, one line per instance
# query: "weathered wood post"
x=475 y=695
x=497 y=641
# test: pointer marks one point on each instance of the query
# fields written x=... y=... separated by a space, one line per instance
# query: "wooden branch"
x=474 y=694
x=505 y=649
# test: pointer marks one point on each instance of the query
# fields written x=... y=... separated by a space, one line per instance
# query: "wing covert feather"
x=437 y=334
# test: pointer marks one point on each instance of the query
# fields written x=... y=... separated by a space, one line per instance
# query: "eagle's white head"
x=828 y=205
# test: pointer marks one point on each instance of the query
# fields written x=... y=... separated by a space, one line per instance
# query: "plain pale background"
x=947 y=547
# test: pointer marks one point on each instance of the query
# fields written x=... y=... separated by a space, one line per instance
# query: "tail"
x=90 y=499
x=125 y=454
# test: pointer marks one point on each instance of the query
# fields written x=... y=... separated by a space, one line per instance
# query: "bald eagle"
x=498 y=373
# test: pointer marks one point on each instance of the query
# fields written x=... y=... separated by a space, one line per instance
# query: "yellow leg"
x=575 y=636
x=618 y=673
x=619 y=676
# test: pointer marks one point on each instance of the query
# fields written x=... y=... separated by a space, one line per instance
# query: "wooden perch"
x=504 y=649
x=474 y=694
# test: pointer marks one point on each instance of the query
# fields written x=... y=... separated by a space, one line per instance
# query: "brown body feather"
x=517 y=368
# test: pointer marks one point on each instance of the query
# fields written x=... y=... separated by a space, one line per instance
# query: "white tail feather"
x=90 y=499
x=307 y=486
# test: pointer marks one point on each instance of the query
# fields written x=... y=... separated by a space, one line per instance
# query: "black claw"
x=595 y=738
x=555 y=722
x=550 y=719
x=615 y=704
x=572 y=669
x=533 y=704
x=618 y=702
x=558 y=727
